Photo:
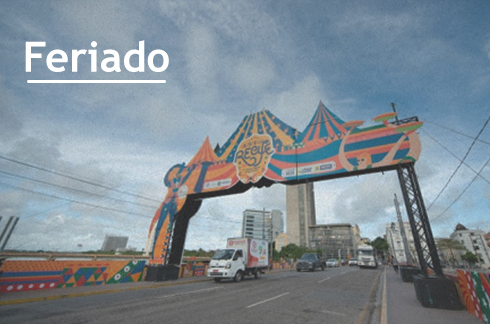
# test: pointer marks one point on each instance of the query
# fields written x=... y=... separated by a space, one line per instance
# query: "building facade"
x=262 y=224
x=114 y=243
x=300 y=213
x=474 y=241
x=336 y=241
x=281 y=241
x=403 y=255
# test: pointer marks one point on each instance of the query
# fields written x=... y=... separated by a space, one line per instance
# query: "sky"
x=82 y=161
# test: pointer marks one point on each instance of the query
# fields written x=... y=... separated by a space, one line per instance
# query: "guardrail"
x=53 y=256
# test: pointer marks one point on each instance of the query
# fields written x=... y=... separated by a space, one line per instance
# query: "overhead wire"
x=75 y=178
x=461 y=163
x=73 y=189
x=72 y=200
x=457 y=132
x=478 y=173
x=68 y=201
x=461 y=194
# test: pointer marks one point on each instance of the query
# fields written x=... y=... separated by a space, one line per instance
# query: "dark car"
x=309 y=262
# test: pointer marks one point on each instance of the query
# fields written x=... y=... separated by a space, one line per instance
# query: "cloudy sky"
x=81 y=161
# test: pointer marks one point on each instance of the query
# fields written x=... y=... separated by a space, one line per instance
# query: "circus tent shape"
x=205 y=154
x=324 y=125
x=263 y=122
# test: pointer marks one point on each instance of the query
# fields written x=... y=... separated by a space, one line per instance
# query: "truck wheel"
x=238 y=276
x=258 y=274
x=217 y=279
x=298 y=270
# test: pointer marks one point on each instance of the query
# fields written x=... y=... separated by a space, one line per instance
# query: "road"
x=336 y=295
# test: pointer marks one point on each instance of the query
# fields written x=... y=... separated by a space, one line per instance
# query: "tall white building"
x=395 y=241
x=262 y=224
x=473 y=241
x=300 y=213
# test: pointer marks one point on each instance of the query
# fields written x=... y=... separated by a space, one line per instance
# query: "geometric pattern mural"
x=475 y=290
x=34 y=275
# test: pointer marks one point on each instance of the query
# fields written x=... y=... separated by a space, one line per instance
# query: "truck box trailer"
x=242 y=256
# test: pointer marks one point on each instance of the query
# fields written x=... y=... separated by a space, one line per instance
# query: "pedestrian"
x=395 y=266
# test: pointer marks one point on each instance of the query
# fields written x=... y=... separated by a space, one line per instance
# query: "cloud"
x=202 y=60
x=10 y=122
x=240 y=22
x=297 y=104
x=487 y=49
x=105 y=22
x=252 y=73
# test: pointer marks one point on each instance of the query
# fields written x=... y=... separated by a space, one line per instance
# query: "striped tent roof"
x=205 y=154
x=324 y=124
x=263 y=122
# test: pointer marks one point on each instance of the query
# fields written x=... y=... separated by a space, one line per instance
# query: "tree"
x=380 y=245
x=292 y=251
x=447 y=247
x=470 y=257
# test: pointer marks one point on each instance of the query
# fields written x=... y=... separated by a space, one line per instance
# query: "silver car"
x=332 y=263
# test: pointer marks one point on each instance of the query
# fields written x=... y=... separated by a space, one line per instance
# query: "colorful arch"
x=264 y=150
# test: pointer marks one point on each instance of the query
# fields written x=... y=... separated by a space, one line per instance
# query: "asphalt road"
x=336 y=295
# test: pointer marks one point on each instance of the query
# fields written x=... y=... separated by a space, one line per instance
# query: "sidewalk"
x=404 y=308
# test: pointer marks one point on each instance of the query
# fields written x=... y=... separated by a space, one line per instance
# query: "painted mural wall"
x=263 y=146
x=34 y=275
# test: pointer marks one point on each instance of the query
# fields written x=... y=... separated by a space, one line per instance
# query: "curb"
x=97 y=292
x=115 y=290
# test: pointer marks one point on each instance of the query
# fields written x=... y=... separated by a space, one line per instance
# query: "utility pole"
x=7 y=231
x=394 y=110
x=408 y=255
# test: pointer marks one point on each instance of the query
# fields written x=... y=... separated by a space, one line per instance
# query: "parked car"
x=332 y=263
x=352 y=262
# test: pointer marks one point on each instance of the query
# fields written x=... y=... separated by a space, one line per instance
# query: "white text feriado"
x=56 y=59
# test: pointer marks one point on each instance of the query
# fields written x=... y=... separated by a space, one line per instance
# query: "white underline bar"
x=96 y=81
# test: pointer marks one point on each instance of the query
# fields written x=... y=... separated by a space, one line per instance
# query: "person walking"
x=395 y=266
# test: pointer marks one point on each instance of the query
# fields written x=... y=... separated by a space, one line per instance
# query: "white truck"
x=366 y=257
x=243 y=256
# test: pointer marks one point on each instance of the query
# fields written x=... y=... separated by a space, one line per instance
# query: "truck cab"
x=226 y=264
x=242 y=257
x=367 y=257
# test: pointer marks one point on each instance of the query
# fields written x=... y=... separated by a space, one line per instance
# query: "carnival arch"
x=264 y=151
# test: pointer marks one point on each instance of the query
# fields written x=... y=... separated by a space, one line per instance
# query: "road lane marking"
x=323 y=280
x=332 y=313
x=267 y=300
x=384 y=305
x=189 y=292
x=370 y=303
